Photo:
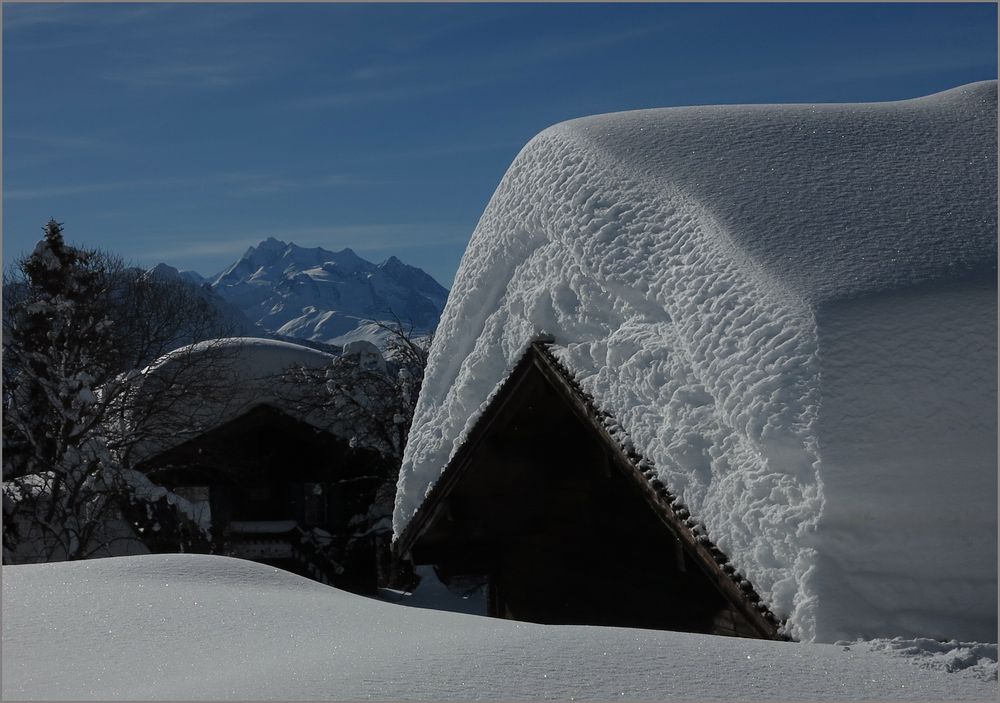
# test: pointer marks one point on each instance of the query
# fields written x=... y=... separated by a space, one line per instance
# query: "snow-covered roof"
x=829 y=200
x=209 y=383
x=253 y=358
x=696 y=267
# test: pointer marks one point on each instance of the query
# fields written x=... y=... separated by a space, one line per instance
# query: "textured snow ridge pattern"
x=679 y=257
x=195 y=627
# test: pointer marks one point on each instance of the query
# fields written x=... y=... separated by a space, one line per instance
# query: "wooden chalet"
x=280 y=491
x=569 y=527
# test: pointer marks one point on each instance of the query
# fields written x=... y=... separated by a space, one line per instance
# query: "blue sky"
x=185 y=133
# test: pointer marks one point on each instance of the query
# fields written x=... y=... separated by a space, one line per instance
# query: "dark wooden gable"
x=262 y=440
x=269 y=478
x=258 y=462
x=571 y=528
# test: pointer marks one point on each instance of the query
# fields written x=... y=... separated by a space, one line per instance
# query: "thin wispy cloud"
x=477 y=71
x=58 y=141
x=24 y=15
x=350 y=98
x=253 y=186
x=36 y=150
x=576 y=45
x=376 y=72
x=19 y=16
x=181 y=73
x=852 y=70
x=439 y=149
x=64 y=190
x=180 y=249
x=397 y=236
x=334 y=180
x=234 y=184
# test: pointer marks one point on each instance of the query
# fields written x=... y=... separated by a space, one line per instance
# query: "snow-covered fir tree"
x=56 y=465
x=77 y=326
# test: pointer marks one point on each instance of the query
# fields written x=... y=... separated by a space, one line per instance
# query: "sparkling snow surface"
x=208 y=628
x=684 y=260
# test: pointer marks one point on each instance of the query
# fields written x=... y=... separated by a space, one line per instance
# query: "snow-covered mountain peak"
x=273 y=258
x=321 y=295
x=267 y=250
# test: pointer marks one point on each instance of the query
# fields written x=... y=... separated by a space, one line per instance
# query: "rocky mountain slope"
x=326 y=296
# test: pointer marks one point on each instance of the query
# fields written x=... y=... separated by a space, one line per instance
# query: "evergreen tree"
x=78 y=325
x=57 y=336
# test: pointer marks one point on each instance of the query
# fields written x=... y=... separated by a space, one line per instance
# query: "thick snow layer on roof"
x=831 y=200
x=203 y=385
x=696 y=268
x=250 y=357
x=193 y=627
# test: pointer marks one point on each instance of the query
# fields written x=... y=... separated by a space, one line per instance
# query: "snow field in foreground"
x=208 y=627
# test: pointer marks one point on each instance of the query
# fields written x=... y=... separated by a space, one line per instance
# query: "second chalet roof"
x=221 y=379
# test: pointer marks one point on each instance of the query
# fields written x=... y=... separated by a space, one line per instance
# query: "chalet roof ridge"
x=402 y=541
x=617 y=436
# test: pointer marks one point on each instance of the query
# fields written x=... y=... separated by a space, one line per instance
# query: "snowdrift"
x=791 y=311
x=183 y=627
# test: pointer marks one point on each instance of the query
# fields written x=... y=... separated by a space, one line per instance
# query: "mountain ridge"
x=328 y=296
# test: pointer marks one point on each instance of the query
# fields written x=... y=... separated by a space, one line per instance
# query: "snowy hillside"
x=327 y=296
x=791 y=312
x=208 y=628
